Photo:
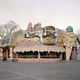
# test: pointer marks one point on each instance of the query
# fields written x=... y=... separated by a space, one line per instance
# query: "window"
x=29 y=54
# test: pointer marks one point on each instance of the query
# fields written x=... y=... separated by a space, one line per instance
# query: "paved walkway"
x=40 y=71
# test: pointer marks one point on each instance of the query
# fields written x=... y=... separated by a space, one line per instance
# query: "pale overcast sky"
x=59 y=13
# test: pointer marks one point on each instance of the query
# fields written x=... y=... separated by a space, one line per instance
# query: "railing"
x=28 y=56
x=44 y=56
x=36 y=56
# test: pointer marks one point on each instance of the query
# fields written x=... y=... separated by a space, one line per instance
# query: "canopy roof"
x=39 y=48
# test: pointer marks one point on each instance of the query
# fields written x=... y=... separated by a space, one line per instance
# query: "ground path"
x=40 y=71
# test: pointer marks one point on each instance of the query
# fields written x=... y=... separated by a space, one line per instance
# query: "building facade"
x=46 y=44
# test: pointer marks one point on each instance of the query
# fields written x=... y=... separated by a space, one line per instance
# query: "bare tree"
x=8 y=28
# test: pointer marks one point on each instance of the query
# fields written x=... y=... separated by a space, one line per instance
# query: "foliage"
x=8 y=28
